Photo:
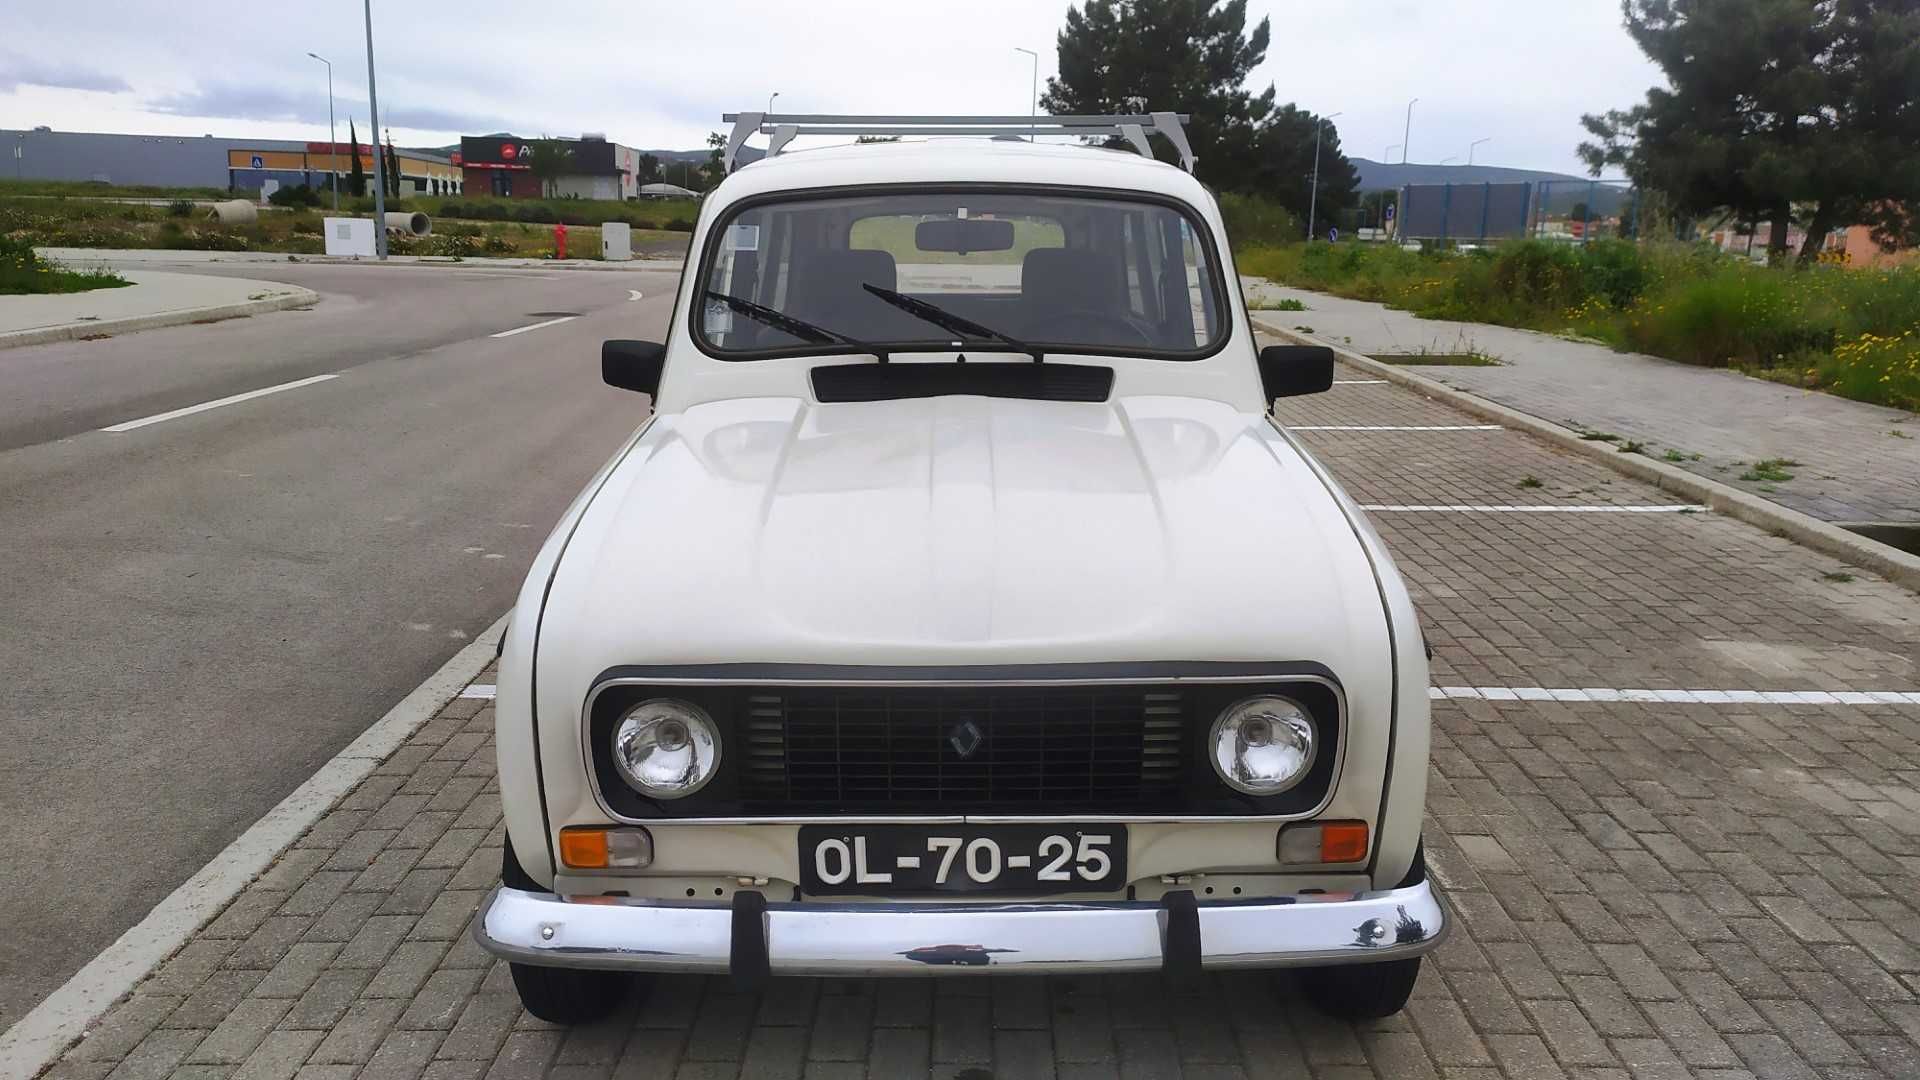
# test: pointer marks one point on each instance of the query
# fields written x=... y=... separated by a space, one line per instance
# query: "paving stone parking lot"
x=1643 y=889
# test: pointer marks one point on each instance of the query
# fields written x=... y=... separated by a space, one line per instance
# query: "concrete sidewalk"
x=1854 y=462
x=154 y=299
x=118 y=257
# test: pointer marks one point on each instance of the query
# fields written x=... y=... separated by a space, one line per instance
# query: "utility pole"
x=1474 y=146
x=1407 y=137
x=333 y=148
x=1313 y=197
x=1033 y=91
x=379 y=164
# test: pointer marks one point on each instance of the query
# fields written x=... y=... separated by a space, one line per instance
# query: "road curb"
x=297 y=297
x=44 y=1033
x=1889 y=562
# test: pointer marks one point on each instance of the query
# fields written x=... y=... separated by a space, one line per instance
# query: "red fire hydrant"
x=560 y=240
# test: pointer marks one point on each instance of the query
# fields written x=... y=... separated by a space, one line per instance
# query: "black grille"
x=1071 y=748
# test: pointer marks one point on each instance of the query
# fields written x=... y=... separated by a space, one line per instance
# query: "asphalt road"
x=200 y=612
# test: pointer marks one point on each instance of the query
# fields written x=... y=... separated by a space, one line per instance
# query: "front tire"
x=560 y=995
x=1361 y=991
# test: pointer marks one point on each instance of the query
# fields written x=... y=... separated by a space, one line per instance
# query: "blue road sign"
x=1333 y=235
x=1390 y=211
x=258 y=162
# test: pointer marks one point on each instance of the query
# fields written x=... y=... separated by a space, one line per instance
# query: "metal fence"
x=1574 y=211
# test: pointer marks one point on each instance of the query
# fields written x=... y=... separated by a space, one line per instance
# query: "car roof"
x=960 y=160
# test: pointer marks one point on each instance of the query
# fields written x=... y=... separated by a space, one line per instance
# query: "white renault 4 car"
x=960 y=607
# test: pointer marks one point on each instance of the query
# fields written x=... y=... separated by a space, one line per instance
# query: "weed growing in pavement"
x=1772 y=470
x=1529 y=481
x=1632 y=447
x=1285 y=303
x=1678 y=456
x=1599 y=436
x=1898 y=434
x=22 y=271
x=1838 y=577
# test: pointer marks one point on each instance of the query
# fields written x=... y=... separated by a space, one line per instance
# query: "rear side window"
x=1075 y=273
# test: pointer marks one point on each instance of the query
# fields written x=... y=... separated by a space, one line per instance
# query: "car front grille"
x=1065 y=748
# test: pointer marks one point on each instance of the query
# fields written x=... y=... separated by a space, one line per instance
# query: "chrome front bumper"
x=753 y=937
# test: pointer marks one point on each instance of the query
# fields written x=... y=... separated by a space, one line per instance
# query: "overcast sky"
x=658 y=75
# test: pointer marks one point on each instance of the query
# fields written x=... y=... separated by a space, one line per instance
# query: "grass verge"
x=22 y=272
x=1855 y=333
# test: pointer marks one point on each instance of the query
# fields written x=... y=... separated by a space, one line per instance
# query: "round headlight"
x=666 y=749
x=1263 y=745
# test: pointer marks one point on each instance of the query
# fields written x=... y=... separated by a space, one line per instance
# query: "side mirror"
x=1293 y=370
x=633 y=365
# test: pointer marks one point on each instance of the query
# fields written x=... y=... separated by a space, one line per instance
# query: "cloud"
x=18 y=71
x=228 y=101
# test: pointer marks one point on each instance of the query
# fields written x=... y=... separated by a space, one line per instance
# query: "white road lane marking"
x=1450 y=508
x=1393 y=427
x=534 y=326
x=1675 y=697
x=633 y=294
x=205 y=405
x=33 y=1043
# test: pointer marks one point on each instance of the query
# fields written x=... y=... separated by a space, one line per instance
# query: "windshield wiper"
x=947 y=320
x=800 y=328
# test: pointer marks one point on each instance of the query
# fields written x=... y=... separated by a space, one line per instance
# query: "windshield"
x=992 y=271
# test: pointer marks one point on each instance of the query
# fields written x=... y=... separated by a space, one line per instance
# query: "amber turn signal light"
x=601 y=848
x=1317 y=842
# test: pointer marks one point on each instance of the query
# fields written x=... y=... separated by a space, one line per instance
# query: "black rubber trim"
x=1156 y=670
x=900 y=382
x=747 y=958
x=1180 y=956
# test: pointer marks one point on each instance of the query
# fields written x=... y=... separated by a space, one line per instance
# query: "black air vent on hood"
x=889 y=382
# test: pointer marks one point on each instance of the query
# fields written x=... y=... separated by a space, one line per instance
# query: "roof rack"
x=783 y=127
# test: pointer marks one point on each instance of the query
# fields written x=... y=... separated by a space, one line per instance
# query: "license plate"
x=876 y=860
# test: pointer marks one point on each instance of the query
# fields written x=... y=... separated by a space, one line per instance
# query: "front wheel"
x=560 y=995
x=1361 y=991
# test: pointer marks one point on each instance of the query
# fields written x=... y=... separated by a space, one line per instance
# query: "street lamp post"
x=1313 y=196
x=1033 y=91
x=1475 y=145
x=379 y=159
x=333 y=148
x=1445 y=160
x=770 y=98
x=1407 y=137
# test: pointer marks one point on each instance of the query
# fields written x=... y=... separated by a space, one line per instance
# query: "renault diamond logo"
x=965 y=738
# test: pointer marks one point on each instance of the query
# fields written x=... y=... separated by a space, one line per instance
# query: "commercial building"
x=250 y=167
x=204 y=161
x=591 y=168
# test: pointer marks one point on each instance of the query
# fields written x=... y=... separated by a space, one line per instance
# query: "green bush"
x=1253 y=221
x=181 y=208
x=295 y=195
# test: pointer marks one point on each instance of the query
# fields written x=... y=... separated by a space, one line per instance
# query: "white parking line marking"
x=205 y=405
x=1476 y=509
x=1393 y=427
x=534 y=326
x=33 y=1043
x=1675 y=697
x=478 y=690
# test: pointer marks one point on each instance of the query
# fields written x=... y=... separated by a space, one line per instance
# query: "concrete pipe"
x=414 y=224
x=234 y=212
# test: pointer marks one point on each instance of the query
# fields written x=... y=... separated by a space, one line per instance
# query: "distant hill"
x=1567 y=189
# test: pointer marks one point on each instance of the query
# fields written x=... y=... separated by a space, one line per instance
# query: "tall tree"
x=1284 y=165
x=649 y=169
x=1772 y=105
x=393 y=169
x=357 y=174
x=548 y=162
x=1192 y=56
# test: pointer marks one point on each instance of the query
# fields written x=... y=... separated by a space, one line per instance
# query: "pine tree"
x=357 y=176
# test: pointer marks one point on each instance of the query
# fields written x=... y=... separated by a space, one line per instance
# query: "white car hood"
x=960 y=530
